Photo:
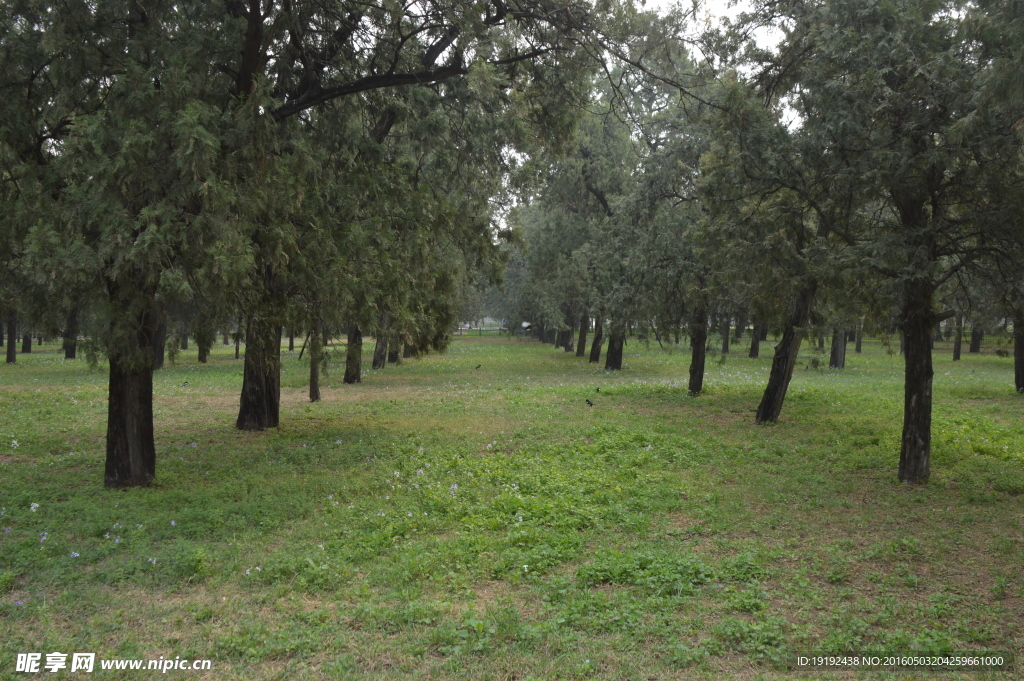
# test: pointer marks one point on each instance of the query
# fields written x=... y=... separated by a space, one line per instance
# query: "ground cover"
x=447 y=522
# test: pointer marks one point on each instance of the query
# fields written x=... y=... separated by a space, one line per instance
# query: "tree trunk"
x=380 y=348
x=764 y=332
x=3 y=332
x=784 y=360
x=394 y=350
x=821 y=341
x=918 y=321
x=581 y=343
x=291 y=340
x=354 y=355
x=616 y=341
x=755 y=341
x=204 y=343
x=159 y=340
x=227 y=337
x=958 y=340
x=977 y=334
x=1018 y=351
x=184 y=339
x=131 y=451
x=860 y=337
x=71 y=334
x=26 y=344
x=724 y=331
x=315 y=354
x=12 y=335
x=837 y=358
x=741 y=323
x=406 y=351
x=260 y=403
x=569 y=345
x=595 y=347
x=699 y=349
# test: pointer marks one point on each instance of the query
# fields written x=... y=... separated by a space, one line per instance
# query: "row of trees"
x=324 y=164
x=867 y=168
x=335 y=165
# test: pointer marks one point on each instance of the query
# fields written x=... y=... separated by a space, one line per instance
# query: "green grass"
x=439 y=521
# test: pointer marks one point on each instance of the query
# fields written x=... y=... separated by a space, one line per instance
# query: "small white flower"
x=74 y=554
x=14 y=444
x=33 y=507
x=321 y=547
x=174 y=522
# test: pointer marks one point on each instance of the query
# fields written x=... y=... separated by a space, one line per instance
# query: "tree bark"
x=569 y=345
x=938 y=332
x=821 y=341
x=159 y=340
x=741 y=324
x=581 y=343
x=26 y=344
x=131 y=451
x=784 y=360
x=260 y=403
x=227 y=337
x=407 y=351
x=354 y=355
x=724 y=331
x=595 y=347
x=958 y=340
x=764 y=332
x=698 y=348
x=616 y=341
x=859 y=346
x=315 y=355
x=380 y=348
x=977 y=334
x=837 y=358
x=204 y=343
x=1018 y=351
x=12 y=335
x=291 y=340
x=755 y=342
x=184 y=339
x=918 y=321
x=394 y=350
x=70 y=334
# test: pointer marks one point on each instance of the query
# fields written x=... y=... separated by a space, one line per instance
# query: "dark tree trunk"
x=616 y=341
x=227 y=337
x=159 y=340
x=595 y=347
x=764 y=332
x=1018 y=351
x=204 y=343
x=184 y=339
x=354 y=355
x=3 y=332
x=977 y=334
x=581 y=343
x=315 y=356
x=821 y=341
x=569 y=345
x=407 y=351
x=724 y=331
x=131 y=451
x=741 y=324
x=380 y=347
x=837 y=358
x=71 y=334
x=755 y=341
x=291 y=340
x=938 y=332
x=552 y=337
x=698 y=349
x=959 y=338
x=560 y=339
x=903 y=343
x=12 y=336
x=784 y=360
x=26 y=344
x=238 y=339
x=918 y=321
x=260 y=405
x=860 y=338
x=394 y=350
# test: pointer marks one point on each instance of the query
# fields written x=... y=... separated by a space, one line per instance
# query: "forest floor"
x=440 y=521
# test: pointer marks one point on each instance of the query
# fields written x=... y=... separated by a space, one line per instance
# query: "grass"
x=439 y=521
